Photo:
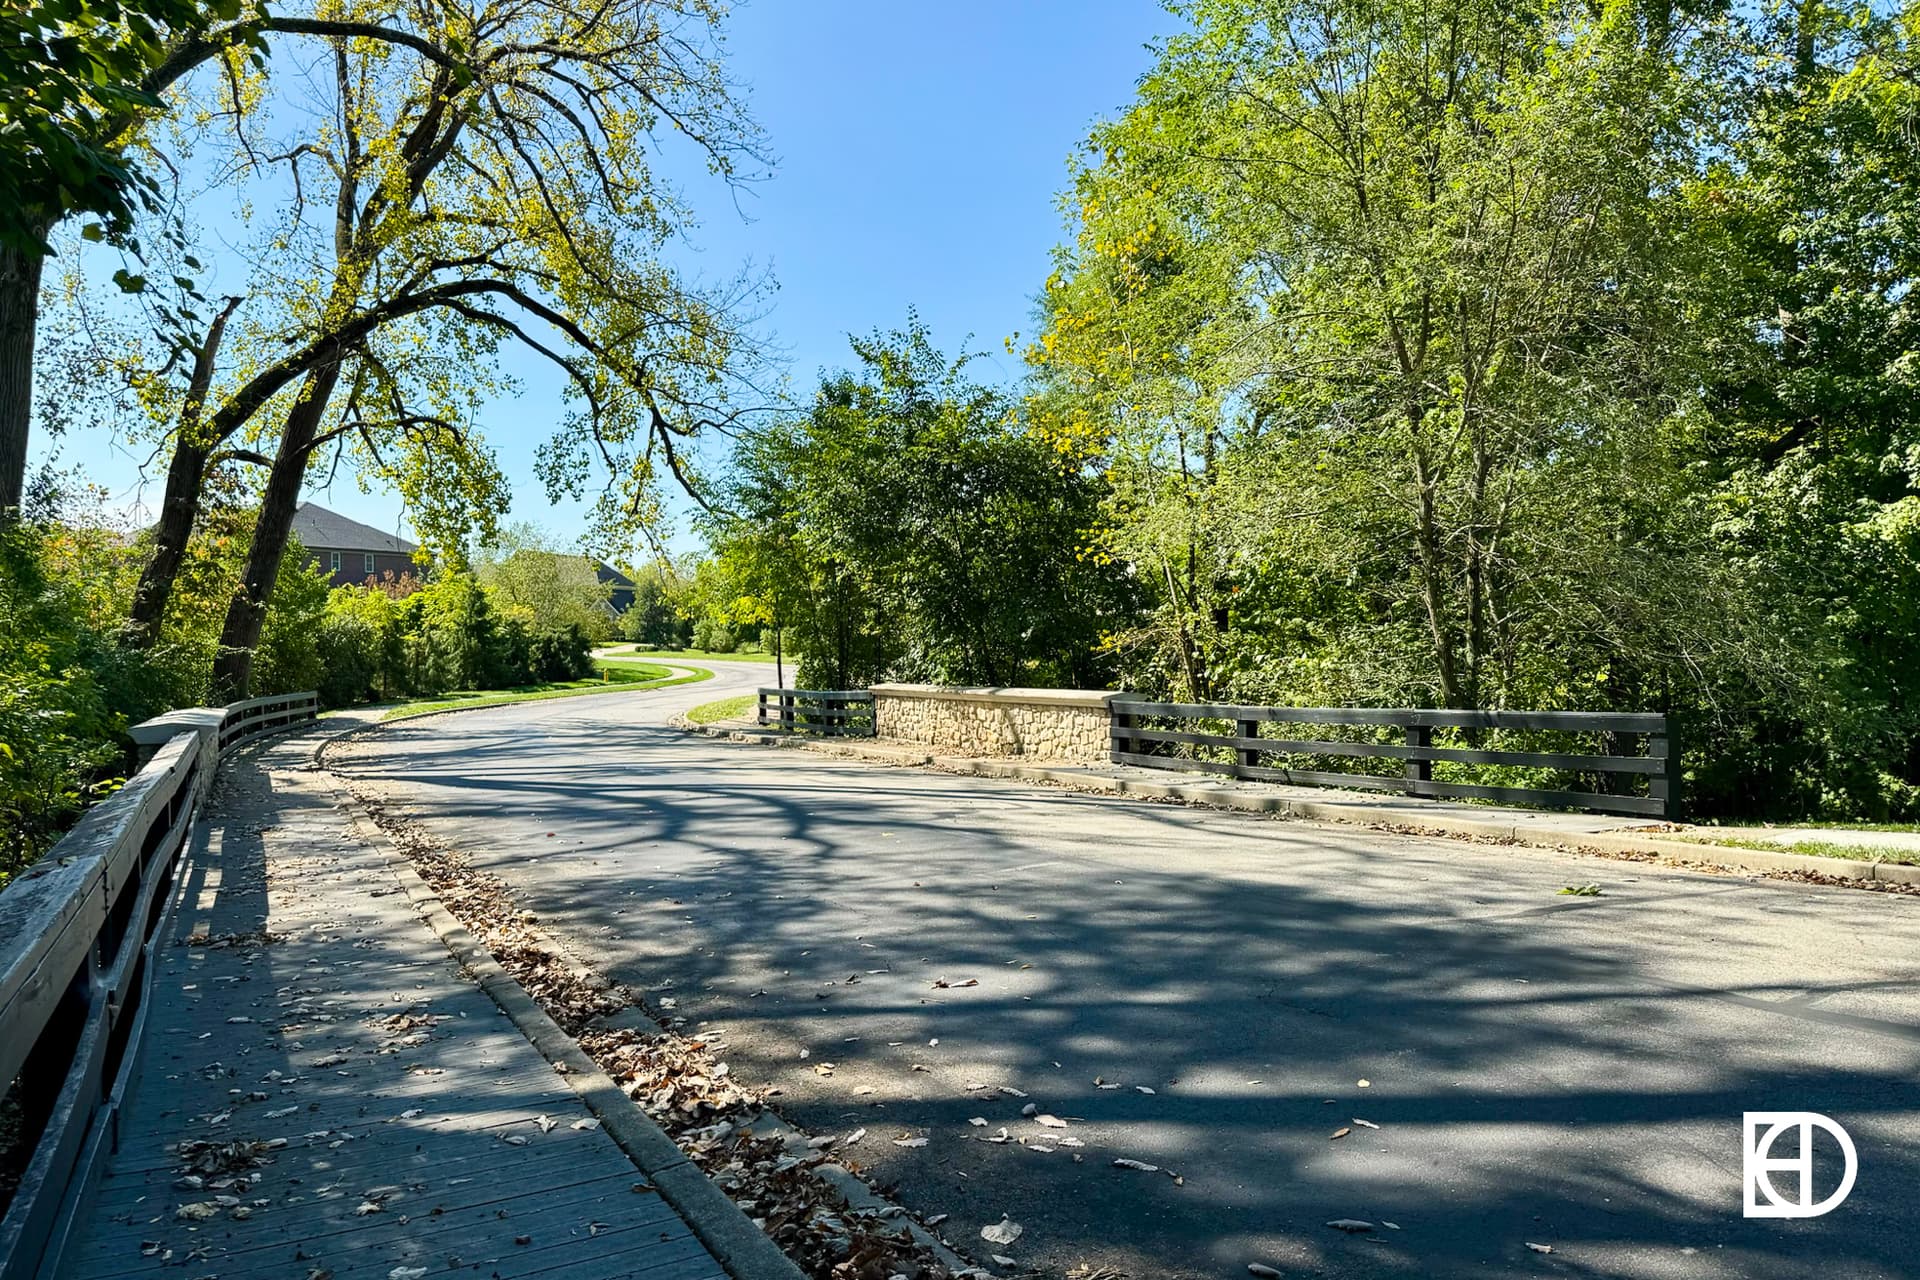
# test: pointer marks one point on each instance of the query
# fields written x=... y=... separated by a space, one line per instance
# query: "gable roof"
x=607 y=573
x=324 y=530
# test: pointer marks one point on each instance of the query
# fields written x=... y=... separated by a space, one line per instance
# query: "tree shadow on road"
x=1566 y=1071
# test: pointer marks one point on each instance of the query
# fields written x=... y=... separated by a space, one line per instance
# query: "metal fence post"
x=1249 y=756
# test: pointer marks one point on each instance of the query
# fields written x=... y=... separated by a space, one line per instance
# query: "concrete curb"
x=739 y=1246
x=1605 y=844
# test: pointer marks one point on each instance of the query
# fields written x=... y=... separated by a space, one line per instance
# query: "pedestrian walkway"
x=323 y=1095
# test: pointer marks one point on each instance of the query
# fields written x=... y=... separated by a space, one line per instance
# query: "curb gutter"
x=1606 y=844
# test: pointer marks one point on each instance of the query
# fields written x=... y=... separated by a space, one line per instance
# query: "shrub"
x=287 y=659
x=562 y=654
x=348 y=650
x=712 y=637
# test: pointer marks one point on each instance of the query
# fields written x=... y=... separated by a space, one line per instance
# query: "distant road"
x=1543 y=1069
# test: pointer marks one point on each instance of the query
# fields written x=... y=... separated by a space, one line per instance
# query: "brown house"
x=350 y=551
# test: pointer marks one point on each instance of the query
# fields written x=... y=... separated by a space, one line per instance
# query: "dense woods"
x=1558 y=356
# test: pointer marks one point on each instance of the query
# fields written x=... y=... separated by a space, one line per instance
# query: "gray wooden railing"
x=1621 y=733
x=842 y=713
x=78 y=932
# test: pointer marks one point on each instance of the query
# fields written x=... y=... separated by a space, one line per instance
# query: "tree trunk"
x=19 y=315
x=186 y=480
x=247 y=614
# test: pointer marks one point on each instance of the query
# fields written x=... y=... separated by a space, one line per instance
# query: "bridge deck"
x=351 y=1106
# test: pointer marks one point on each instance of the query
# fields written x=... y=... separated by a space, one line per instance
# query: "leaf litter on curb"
x=1005 y=1231
x=681 y=1081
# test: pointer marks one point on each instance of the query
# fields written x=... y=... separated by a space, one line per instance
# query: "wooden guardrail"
x=242 y=718
x=830 y=713
x=1620 y=761
x=78 y=932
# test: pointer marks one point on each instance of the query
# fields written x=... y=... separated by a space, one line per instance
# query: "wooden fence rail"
x=828 y=712
x=1618 y=761
x=78 y=932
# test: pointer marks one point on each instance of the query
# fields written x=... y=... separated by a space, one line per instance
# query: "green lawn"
x=1818 y=848
x=609 y=677
x=724 y=709
x=671 y=654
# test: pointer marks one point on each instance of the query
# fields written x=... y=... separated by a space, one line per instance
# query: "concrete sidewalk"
x=324 y=1093
x=1605 y=834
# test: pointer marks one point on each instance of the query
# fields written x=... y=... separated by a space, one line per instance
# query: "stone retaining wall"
x=1046 y=724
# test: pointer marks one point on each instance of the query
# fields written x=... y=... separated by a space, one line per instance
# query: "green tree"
x=1378 y=267
x=1812 y=205
x=549 y=589
x=909 y=526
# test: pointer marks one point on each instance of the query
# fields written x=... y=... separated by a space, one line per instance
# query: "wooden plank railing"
x=78 y=933
x=842 y=713
x=1619 y=762
x=272 y=712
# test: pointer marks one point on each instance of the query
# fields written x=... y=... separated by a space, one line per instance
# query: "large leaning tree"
x=488 y=180
x=80 y=80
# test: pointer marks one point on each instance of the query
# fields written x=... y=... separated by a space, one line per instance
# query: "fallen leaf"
x=547 y=1124
x=410 y=1113
x=1005 y=1231
x=1341 y=1132
x=1365 y=1124
x=516 y=1139
x=1051 y=1122
x=1350 y=1224
x=1263 y=1270
x=198 y=1211
x=1143 y=1089
x=936 y=1219
x=1391 y=1226
x=1539 y=1248
x=410 y=1273
x=909 y=1142
x=1140 y=1165
x=1365 y=1084
x=590 y=1122
x=368 y=1207
x=1003 y=1260
x=854 y=1137
x=978 y=1122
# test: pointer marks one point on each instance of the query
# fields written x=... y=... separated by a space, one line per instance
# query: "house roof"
x=607 y=573
x=322 y=530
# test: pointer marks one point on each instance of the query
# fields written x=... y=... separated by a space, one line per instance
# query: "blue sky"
x=919 y=151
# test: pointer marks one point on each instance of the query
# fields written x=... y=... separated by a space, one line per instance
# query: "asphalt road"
x=1543 y=1069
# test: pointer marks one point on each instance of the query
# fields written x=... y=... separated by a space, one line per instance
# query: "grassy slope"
x=724 y=709
x=609 y=677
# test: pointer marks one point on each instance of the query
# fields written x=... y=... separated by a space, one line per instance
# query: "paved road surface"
x=1566 y=1071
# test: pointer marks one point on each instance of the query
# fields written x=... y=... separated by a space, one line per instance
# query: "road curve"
x=1543 y=1069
